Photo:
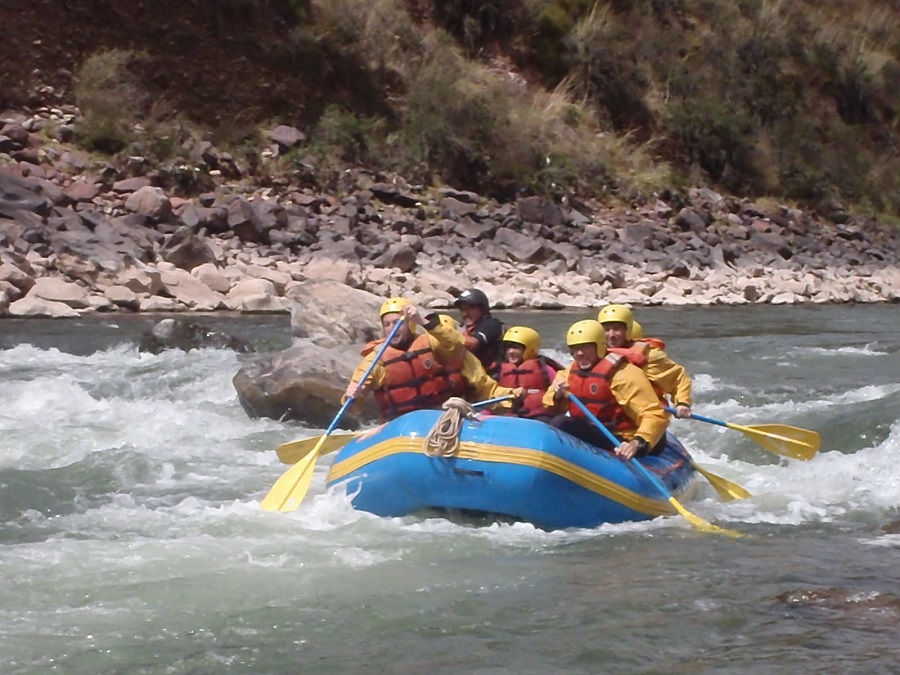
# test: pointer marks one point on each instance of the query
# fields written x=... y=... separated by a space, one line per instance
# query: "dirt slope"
x=214 y=59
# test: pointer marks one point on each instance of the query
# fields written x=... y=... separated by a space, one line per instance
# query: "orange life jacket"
x=371 y=346
x=533 y=376
x=638 y=355
x=592 y=388
x=655 y=342
x=414 y=379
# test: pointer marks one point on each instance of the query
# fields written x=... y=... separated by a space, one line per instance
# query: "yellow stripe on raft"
x=502 y=454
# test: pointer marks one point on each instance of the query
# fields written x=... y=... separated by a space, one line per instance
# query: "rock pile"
x=201 y=234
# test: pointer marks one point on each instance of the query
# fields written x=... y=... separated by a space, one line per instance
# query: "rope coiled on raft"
x=443 y=439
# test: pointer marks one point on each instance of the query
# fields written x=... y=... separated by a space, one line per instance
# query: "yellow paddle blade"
x=699 y=523
x=783 y=439
x=726 y=489
x=293 y=452
x=291 y=488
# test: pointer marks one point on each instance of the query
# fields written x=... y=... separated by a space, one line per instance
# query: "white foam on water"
x=732 y=410
x=208 y=466
x=867 y=350
x=884 y=541
x=705 y=384
x=174 y=405
x=860 y=395
x=831 y=487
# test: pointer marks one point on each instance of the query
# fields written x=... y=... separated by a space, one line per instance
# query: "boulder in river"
x=187 y=335
x=304 y=382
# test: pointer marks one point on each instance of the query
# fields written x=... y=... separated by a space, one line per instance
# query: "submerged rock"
x=187 y=335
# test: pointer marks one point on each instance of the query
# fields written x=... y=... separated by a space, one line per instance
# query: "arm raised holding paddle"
x=289 y=490
x=405 y=374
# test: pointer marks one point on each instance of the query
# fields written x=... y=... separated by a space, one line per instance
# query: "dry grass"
x=380 y=32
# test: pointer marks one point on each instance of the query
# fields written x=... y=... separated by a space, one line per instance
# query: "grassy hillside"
x=794 y=99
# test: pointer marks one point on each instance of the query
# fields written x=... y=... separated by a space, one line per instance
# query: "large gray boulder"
x=330 y=313
x=304 y=382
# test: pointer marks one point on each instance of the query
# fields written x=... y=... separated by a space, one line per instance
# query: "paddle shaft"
x=694 y=416
x=289 y=490
x=693 y=519
x=778 y=438
x=492 y=401
x=615 y=441
x=597 y=423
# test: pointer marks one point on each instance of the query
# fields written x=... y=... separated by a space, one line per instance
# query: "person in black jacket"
x=483 y=333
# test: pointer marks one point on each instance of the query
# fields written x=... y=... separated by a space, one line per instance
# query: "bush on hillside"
x=340 y=138
x=110 y=99
x=476 y=22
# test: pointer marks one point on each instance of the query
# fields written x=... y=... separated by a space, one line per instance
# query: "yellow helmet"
x=392 y=305
x=585 y=332
x=448 y=321
x=637 y=330
x=617 y=313
x=527 y=337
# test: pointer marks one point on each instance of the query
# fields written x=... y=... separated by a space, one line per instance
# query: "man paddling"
x=415 y=370
x=615 y=391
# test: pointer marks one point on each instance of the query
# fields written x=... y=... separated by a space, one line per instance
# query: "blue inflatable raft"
x=506 y=466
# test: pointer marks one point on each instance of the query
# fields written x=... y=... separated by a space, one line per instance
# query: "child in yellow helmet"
x=525 y=367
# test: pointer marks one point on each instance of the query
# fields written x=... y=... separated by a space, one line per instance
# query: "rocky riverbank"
x=204 y=233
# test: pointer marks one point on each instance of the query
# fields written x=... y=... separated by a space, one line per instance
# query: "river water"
x=131 y=540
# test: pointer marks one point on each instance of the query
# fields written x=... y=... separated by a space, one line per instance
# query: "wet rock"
x=305 y=383
x=187 y=335
x=891 y=528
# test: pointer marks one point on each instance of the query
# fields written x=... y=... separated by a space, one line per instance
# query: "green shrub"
x=709 y=134
x=110 y=100
x=473 y=22
x=377 y=33
x=605 y=67
x=450 y=117
x=768 y=90
x=553 y=25
x=293 y=11
x=344 y=136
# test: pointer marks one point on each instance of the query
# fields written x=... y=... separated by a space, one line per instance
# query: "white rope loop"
x=443 y=439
